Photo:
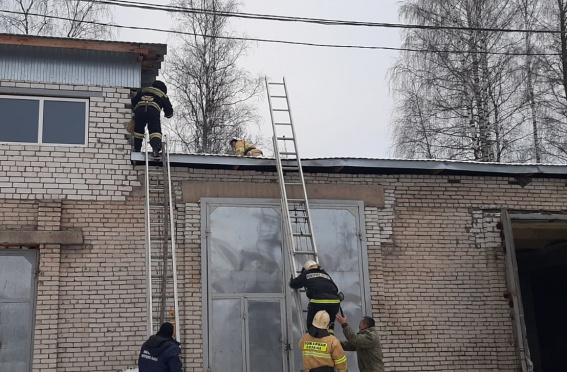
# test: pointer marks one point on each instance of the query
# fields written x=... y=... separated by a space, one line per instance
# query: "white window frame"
x=42 y=100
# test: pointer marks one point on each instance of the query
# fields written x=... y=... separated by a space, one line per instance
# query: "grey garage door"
x=17 y=291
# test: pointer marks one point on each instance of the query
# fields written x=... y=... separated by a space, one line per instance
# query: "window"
x=43 y=120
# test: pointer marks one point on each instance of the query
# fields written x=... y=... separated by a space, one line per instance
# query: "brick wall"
x=435 y=259
x=99 y=171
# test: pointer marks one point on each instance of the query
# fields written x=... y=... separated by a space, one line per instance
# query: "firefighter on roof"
x=147 y=105
x=322 y=352
x=243 y=148
x=322 y=292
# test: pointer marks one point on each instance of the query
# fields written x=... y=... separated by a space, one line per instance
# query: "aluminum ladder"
x=298 y=238
x=161 y=265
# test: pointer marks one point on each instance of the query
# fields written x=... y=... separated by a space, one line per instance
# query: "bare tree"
x=553 y=71
x=62 y=18
x=214 y=98
x=468 y=82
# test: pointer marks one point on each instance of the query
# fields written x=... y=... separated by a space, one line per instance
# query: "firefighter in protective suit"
x=243 y=148
x=322 y=352
x=322 y=292
x=147 y=105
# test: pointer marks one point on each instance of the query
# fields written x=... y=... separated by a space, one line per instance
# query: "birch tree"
x=469 y=84
x=553 y=70
x=215 y=98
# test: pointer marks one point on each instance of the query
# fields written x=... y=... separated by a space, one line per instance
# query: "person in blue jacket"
x=160 y=353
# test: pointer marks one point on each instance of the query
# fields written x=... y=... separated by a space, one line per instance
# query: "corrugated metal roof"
x=79 y=61
x=369 y=166
x=69 y=66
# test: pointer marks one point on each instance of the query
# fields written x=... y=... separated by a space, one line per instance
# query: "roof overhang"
x=149 y=55
x=521 y=172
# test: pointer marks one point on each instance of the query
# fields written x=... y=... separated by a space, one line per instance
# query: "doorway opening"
x=540 y=247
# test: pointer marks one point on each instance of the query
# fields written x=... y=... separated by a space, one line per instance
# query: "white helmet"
x=321 y=320
x=310 y=265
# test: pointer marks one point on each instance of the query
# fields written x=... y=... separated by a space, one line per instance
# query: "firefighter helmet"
x=321 y=320
x=311 y=265
x=233 y=139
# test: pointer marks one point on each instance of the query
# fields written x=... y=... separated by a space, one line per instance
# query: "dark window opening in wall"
x=540 y=247
x=43 y=120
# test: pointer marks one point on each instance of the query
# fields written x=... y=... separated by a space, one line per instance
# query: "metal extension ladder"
x=161 y=265
x=298 y=238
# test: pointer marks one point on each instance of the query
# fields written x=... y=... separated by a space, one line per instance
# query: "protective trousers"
x=149 y=115
x=331 y=308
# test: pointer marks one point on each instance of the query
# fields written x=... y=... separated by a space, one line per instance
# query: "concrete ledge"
x=193 y=191
x=41 y=237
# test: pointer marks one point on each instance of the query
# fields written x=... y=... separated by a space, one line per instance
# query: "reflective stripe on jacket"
x=243 y=148
x=319 y=287
x=322 y=352
x=153 y=97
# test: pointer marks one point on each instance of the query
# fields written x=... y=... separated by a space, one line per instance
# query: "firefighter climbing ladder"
x=298 y=238
x=161 y=266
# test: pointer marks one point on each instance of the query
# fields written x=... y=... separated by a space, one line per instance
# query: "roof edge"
x=365 y=166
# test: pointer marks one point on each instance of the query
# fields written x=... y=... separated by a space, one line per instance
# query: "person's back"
x=160 y=353
x=243 y=148
x=322 y=352
x=322 y=292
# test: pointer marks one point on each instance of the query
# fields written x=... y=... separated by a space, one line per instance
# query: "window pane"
x=64 y=122
x=245 y=250
x=226 y=336
x=19 y=120
x=265 y=348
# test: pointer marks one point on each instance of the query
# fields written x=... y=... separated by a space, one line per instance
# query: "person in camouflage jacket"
x=366 y=343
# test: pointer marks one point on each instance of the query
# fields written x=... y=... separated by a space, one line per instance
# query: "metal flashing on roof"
x=369 y=166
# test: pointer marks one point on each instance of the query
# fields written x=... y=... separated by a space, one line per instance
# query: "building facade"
x=461 y=264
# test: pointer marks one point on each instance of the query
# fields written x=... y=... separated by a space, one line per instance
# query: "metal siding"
x=69 y=66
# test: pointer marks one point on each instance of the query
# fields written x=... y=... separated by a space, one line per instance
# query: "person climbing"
x=322 y=292
x=147 y=105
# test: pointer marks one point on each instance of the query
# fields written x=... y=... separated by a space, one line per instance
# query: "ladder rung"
x=304 y=252
x=280 y=109
x=159 y=277
x=285 y=138
x=288 y=153
x=302 y=234
x=278 y=96
x=282 y=123
x=272 y=83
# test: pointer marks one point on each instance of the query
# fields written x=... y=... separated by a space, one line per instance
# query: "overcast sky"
x=340 y=99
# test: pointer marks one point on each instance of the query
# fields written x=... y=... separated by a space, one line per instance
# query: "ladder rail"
x=290 y=243
x=173 y=246
x=149 y=299
x=300 y=170
x=159 y=205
